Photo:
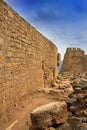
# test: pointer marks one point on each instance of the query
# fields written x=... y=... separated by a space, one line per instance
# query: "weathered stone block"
x=49 y=114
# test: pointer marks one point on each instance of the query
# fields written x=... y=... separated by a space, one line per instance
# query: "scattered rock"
x=71 y=101
x=72 y=90
x=50 y=128
x=84 y=126
x=74 y=122
x=65 y=126
x=73 y=109
x=49 y=114
x=84 y=87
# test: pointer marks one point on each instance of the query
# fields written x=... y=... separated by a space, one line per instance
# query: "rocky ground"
x=76 y=103
x=76 y=100
x=68 y=88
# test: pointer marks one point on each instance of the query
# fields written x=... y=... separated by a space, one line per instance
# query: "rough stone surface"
x=49 y=114
x=50 y=128
x=74 y=61
x=65 y=126
x=28 y=60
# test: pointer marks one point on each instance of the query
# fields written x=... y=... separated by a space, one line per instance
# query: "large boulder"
x=49 y=114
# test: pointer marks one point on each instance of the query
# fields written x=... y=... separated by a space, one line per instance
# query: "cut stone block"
x=49 y=114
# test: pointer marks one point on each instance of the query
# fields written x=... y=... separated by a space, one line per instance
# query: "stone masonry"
x=28 y=60
x=75 y=61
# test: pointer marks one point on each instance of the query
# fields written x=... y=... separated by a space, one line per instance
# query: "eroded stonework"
x=75 y=61
x=28 y=60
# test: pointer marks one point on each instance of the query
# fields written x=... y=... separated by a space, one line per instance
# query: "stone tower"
x=74 y=61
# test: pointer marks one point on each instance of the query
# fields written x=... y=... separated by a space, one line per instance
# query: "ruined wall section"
x=27 y=59
x=74 y=60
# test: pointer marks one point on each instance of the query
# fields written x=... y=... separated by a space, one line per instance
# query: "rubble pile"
x=70 y=89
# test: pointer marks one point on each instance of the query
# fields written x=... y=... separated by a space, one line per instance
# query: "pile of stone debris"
x=69 y=112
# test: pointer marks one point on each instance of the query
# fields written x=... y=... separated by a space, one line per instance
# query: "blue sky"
x=64 y=22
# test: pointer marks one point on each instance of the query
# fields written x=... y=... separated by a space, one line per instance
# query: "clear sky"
x=64 y=22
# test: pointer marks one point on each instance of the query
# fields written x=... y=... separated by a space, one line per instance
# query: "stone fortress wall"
x=28 y=60
x=75 y=61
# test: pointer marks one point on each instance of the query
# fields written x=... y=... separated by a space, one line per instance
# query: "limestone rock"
x=50 y=128
x=74 y=122
x=69 y=90
x=49 y=114
x=65 y=126
x=84 y=126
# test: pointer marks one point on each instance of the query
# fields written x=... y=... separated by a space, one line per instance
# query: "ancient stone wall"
x=27 y=59
x=75 y=61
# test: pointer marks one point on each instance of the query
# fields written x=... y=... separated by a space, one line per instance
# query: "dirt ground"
x=21 y=111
